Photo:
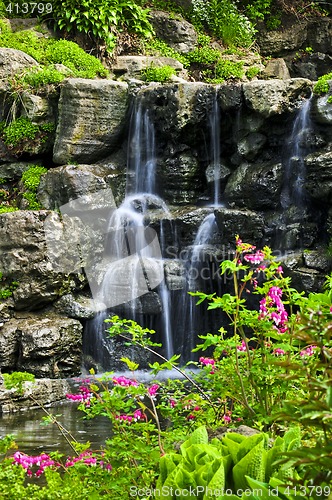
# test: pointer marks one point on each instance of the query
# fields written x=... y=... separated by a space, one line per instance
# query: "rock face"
x=13 y=61
x=91 y=119
x=179 y=34
x=48 y=346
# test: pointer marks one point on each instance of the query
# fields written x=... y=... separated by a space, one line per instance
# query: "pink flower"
x=227 y=418
x=278 y=351
x=207 y=361
x=124 y=381
x=254 y=258
x=308 y=351
x=172 y=403
x=242 y=347
x=153 y=390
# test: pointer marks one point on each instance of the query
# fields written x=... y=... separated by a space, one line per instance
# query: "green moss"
x=7 y=208
x=18 y=130
x=204 y=55
x=39 y=77
x=157 y=47
x=31 y=177
x=252 y=72
x=6 y=291
x=162 y=74
x=322 y=85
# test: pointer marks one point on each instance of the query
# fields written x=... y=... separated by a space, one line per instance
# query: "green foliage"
x=19 y=130
x=158 y=74
x=39 y=77
x=21 y=135
x=71 y=55
x=223 y=19
x=258 y=9
x=7 y=208
x=101 y=19
x=31 y=177
x=204 y=55
x=6 y=291
x=226 y=464
x=158 y=47
x=229 y=69
x=16 y=380
x=252 y=72
x=322 y=85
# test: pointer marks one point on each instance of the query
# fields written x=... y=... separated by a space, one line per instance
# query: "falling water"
x=214 y=125
x=293 y=192
x=198 y=278
x=132 y=263
x=141 y=151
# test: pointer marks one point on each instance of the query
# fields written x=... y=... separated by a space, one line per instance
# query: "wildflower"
x=278 y=351
x=308 y=351
x=242 y=347
x=254 y=258
x=207 y=361
x=172 y=403
x=227 y=419
x=124 y=381
x=153 y=390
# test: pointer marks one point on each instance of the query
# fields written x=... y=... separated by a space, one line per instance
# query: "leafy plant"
x=322 y=85
x=39 y=77
x=101 y=19
x=252 y=72
x=158 y=74
x=21 y=134
x=155 y=46
x=31 y=181
x=228 y=464
x=16 y=380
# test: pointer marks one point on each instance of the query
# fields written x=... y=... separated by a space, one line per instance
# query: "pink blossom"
x=153 y=390
x=227 y=418
x=207 y=361
x=124 y=381
x=278 y=351
x=242 y=347
x=172 y=403
x=254 y=258
x=308 y=351
x=279 y=270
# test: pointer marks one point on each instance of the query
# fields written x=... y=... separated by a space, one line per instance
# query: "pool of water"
x=33 y=437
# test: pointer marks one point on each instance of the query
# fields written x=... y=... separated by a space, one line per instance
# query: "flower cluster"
x=42 y=461
x=84 y=396
x=28 y=462
x=87 y=458
x=153 y=390
x=208 y=362
x=124 y=381
x=279 y=316
x=138 y=415
x=254 y=258
x=308 y=351
x=242 y=347
x=279 y=352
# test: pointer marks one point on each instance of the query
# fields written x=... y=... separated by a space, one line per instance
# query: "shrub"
x=15 y=380
x=204 y=55
x=101 y=18
x=155 y=74
x=71 y=55
x=39 y=77
x=322 y=85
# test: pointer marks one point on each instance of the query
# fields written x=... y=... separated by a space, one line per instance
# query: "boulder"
x=319 y=176
x=178 y=33
x=132 y=66
x=279 y=43
x=249 y=225
x=26 y=259
x=276 y=68
x=43 y=392
x=13 y=61
x=92 y=116
x=46 y=346
x=322 y=109
x=78 y=307
x=273 y=97
x=255 y=187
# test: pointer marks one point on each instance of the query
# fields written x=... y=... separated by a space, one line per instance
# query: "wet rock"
x=44 y=392
x=249 y=225
x=26 y=259
x=178 y=33
x=250 y=146
x=317 y=259
x=79 y=307
x=319 y=176
x=175 y=274
x=230 y=96
x=279 y=43
x=273 y=97
x=91 y=119
x=322 y=109
x=255 y=187
x=47 y=346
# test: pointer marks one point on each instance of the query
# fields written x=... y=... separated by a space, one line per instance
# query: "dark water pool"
x=33 y=438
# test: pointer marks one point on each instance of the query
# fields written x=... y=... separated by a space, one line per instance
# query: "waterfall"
x=132 y=263
x=214 y=126
x=293 y=192
x=201 y=268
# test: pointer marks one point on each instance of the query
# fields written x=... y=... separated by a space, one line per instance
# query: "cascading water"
x=133 y=257
x=214 y=125
x=293 y=196
x=293 y=192
x=201 y=268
